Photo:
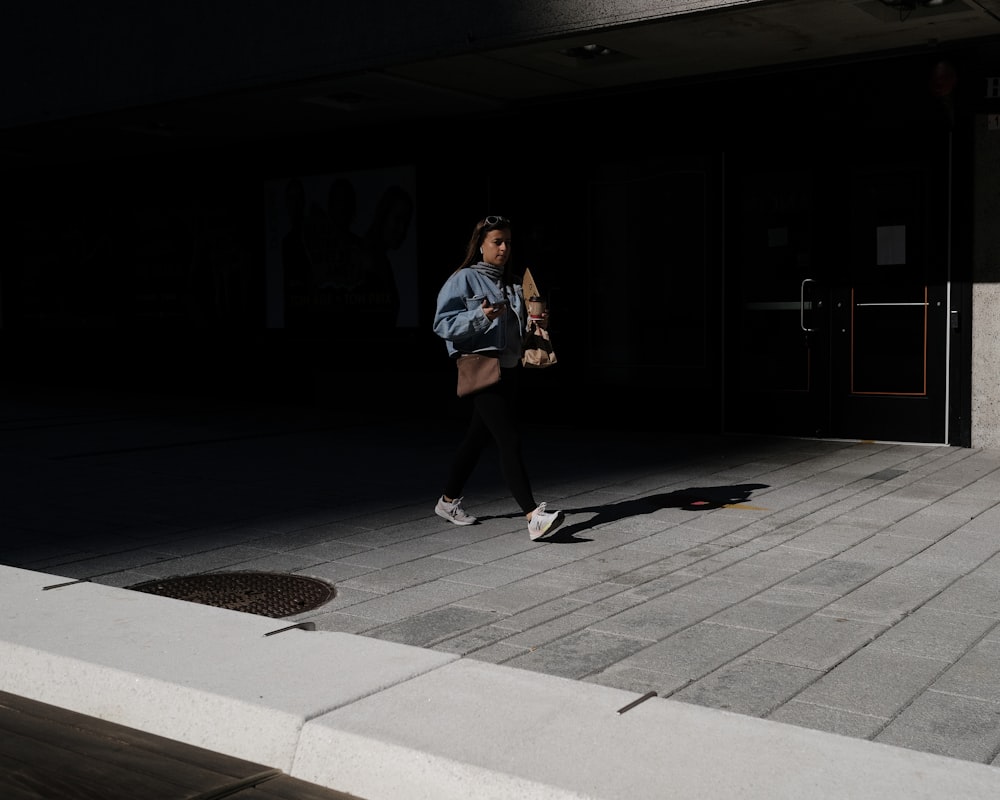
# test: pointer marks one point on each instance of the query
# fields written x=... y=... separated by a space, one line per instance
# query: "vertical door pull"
x=802 y=306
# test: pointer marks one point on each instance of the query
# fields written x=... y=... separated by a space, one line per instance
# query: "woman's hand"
x=493 y=311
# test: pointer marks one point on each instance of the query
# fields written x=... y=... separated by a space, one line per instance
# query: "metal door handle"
x=802 y=306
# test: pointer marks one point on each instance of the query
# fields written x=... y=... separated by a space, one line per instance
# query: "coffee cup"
x=536 y=308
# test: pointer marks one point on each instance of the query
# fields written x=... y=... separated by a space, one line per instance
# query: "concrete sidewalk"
x=816 y=618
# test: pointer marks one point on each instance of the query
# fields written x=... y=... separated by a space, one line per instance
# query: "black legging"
x=493 y=417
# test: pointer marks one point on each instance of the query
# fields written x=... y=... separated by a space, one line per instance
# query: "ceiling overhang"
x=682 y=47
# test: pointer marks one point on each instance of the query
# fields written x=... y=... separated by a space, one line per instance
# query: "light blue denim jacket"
x=460 y=321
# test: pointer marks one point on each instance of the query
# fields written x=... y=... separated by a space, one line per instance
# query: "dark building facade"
x=748 y=217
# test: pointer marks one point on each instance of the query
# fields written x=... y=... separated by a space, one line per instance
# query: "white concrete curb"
x=391 y=722
x=202 y=675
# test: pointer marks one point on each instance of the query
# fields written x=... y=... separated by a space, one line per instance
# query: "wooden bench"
x=49 y=753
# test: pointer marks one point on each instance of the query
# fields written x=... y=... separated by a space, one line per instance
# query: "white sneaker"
x=543 y=522
x=453 y=511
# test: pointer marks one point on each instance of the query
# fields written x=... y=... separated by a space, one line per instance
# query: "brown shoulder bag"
x=476 y=371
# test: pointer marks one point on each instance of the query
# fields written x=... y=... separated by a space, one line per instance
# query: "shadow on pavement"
x=703 y=498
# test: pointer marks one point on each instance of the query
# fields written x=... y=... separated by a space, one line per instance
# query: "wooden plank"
x=97 y=755
x=74 y=764
x=289 y=788
x=83 y=732
x=48 y=752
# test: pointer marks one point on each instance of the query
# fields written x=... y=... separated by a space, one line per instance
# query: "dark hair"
x=484 y=226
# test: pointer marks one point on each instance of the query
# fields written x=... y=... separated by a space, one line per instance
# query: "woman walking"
x=481 y=310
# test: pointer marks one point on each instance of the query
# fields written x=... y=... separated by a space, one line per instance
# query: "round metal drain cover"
x=266 y=593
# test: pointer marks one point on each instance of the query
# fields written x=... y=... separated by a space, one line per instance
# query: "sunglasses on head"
x=492 y=220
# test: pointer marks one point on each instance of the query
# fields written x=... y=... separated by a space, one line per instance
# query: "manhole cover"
x=266 y=593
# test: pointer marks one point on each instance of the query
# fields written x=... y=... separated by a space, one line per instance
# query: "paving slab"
x=949 y=725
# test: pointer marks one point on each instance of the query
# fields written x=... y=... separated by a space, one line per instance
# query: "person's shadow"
x=703 y=498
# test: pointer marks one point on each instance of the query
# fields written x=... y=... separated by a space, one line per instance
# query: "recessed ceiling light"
x=589 y=51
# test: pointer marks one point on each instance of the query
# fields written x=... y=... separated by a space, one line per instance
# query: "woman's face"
x=496 y=247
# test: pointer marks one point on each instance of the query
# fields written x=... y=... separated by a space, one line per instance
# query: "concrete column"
x=986 y=288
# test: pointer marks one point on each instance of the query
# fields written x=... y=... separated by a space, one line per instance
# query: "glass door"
x=890 y=313
x=777 y=332
x=836 y=295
